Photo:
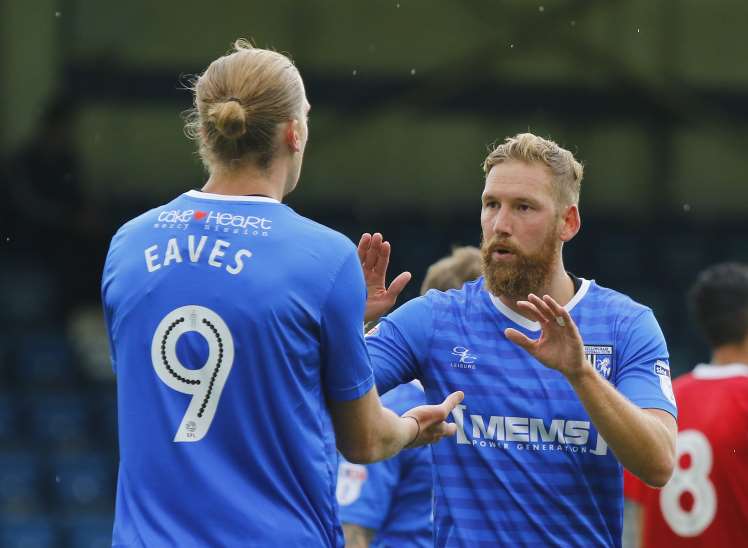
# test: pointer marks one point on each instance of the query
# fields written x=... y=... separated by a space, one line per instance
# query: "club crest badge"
x=601 y=358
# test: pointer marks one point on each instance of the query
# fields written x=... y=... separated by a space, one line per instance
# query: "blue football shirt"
x=527 y=466
x=392 y=497
x=232 y=320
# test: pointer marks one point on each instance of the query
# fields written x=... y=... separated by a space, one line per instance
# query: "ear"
x=292 y=137
x=571 y=222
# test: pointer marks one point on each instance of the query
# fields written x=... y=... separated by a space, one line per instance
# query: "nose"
x=502 y=222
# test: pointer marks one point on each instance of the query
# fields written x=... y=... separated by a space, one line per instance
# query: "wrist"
x=412 y=429
x=581 y=374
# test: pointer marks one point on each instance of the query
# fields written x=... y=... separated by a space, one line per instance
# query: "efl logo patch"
x=601 y=358
x=662 y=370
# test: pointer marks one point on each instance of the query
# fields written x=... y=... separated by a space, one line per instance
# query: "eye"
x=524 y=207
x=490 y=204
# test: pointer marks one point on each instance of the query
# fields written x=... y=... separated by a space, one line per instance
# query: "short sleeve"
x=399 y=344
x=107 y=278
x=346 y=370
x=365 y=493
x=644 y=365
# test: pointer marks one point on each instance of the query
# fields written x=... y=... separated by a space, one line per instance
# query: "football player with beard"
x=565 y=381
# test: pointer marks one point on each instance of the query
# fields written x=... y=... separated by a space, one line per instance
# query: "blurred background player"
x=235 y=329
x=705 y=503
x=389 y=503
x=551 y=410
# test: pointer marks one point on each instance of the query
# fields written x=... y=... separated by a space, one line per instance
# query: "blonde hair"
x=463 y=265
x=527 y=147
x=238 y=103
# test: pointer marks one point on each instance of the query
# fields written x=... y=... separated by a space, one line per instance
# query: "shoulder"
x=323 y=233
x=455 y=298
x=440 y=303
x=134 y=225
x=615 y=300
x=684 y=382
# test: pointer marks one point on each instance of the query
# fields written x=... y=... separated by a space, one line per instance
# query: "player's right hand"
x=374 y=254
x=432 y=420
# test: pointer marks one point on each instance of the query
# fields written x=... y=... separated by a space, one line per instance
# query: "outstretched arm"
x=374 y=254
x=643 y=440
x=368 y=432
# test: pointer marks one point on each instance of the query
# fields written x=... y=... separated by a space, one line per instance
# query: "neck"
x=731 y=353
x=559 y=286
x=249 y=179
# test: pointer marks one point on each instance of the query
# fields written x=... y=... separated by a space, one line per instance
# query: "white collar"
x=529 y=324
x=230 y=198
x=708 y=371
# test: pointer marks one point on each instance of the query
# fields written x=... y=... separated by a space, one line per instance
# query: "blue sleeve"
x=399 y=344
x=365 y=493
x=644 y=365
x=346 y=370
x=106 y=281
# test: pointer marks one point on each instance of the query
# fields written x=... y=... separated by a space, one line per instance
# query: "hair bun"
x=230 y=119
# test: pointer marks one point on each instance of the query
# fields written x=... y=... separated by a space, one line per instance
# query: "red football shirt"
x=705 y=503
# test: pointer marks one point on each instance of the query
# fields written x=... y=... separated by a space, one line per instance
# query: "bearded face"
x=511 y=272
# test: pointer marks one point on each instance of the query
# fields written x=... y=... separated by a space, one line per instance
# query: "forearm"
x=640 y=441
x=374 y=435
x=392 y=435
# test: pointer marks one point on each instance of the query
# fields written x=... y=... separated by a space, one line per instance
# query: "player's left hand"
x=560 y=346
x=374 y=254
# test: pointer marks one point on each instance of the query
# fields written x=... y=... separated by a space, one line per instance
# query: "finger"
x=398 y=284
x=372 y=254
x=558 y=310
x=519 y=339
x=383 y=259
x=553 y=305
x=451 y=401
x=363 y=246
x=438 y=431
x=530 y=310
x=542 y=307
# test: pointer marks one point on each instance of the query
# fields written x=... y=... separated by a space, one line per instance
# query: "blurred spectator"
x=49 y=217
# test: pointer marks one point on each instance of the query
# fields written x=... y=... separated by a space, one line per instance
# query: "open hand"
x=432 y=420
x=560 y=346
x=374 y=254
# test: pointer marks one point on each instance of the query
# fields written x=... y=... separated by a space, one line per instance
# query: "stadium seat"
x=8 y=420
x=104 y=403
x=45 y=359
x=35 y=531
x=83 y=481
x=683 y=255
x=58 y=419
x=20 y=482
x=28 y=293
x=89 y=531
x=613 y=253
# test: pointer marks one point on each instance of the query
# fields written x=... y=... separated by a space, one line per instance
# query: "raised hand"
x=374 y=254
x=559 y=346
x=431 y=420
